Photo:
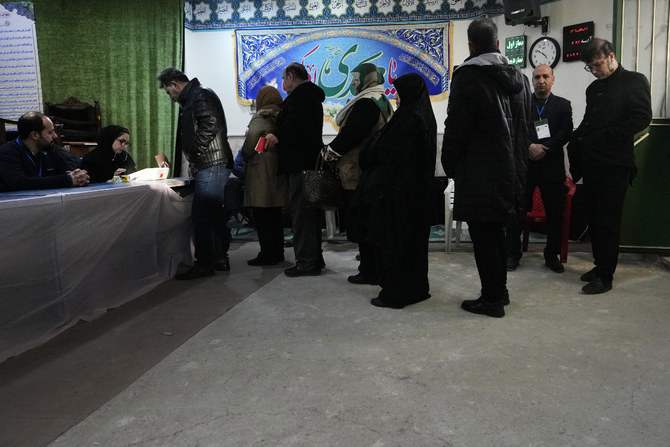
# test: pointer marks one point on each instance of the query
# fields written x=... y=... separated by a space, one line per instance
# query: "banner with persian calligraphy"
x=20 y=85
x=330 y=54
x=235 y=14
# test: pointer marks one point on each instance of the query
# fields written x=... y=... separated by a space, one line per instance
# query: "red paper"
x=260 y=146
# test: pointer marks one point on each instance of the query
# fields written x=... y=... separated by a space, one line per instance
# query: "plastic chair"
x=538 y=215
x=448 y=217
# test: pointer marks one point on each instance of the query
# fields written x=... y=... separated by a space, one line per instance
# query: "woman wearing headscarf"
x=359 y=120
x=394 y=190
x=109 y=158
x=265 y=192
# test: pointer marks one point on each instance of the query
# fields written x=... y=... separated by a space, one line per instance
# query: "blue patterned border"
x=232 y=14
x=25 y=9
x=330 y=54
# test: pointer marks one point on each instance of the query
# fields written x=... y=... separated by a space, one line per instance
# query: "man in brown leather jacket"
x=202 y=138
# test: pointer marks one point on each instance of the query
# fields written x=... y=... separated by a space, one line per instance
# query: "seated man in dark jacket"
x=33 y=162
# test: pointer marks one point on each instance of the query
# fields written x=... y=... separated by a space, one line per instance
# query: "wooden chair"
x=79 y=122
x=538 y=215
x=3 y=128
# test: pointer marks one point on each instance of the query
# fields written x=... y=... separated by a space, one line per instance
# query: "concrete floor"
x=253 y=358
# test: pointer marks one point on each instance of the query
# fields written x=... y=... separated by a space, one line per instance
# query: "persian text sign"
x=330 y=54
x=20 y=86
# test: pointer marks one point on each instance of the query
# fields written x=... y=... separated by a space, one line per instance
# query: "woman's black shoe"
x=362 y=279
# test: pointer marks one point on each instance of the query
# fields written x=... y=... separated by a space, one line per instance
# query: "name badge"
x=542 y=129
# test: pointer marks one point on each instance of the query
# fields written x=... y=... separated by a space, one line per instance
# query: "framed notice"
x=20 y=85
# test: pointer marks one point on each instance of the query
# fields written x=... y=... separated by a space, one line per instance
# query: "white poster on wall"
x=20 y=85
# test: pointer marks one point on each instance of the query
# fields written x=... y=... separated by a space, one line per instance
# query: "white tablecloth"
x=70 y=254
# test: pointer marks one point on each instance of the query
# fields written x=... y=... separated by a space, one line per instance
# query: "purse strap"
x=319 y=162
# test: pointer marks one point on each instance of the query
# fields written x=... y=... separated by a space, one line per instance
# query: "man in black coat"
x=484 y=150
x=202 y=136
x=32 y=161
x=299 y=139
x=618 y=105
x=551 y=130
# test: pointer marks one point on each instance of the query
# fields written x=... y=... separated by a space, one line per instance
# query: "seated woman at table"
x=109 y=158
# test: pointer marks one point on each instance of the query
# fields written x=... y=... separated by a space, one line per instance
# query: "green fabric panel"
x=646 y=211
x=112 y=51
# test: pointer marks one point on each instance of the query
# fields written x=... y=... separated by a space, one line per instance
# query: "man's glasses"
x=593 y=66
x=123 y=142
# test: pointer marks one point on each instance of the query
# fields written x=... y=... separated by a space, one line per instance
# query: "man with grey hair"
x=299 y=139
x=618 y=105
x=484 y=150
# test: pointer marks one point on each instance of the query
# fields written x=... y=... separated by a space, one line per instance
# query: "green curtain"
x=111 y=51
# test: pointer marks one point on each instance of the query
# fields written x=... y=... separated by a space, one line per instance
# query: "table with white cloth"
x=71 y=254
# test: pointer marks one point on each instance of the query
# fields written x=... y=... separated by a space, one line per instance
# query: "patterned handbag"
x=322 y=187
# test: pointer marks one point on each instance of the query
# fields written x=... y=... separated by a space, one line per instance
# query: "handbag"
x=321 y=187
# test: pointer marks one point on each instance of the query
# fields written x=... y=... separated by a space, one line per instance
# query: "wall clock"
x=544 y=50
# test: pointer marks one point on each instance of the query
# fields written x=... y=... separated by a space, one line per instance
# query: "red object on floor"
x=538 y=215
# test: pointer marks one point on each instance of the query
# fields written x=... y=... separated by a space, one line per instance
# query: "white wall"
x=210 y=56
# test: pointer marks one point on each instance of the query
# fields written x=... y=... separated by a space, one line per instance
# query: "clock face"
x=544 y=50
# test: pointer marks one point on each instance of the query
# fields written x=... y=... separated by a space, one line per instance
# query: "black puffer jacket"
x=485 y=145
x=202 y=131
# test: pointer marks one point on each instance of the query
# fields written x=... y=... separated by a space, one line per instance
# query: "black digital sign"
x=575 y=38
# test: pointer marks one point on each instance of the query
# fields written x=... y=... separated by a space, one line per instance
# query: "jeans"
x=207 y=213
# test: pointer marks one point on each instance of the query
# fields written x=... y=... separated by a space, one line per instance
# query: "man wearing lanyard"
x=32 y=161
x=546 y=169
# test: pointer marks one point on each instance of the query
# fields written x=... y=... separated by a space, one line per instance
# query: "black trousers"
x=353 y=216
x=489 y=246
x=553 y=199
x=268 y=223
x=306 y=223
x=605 y=188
